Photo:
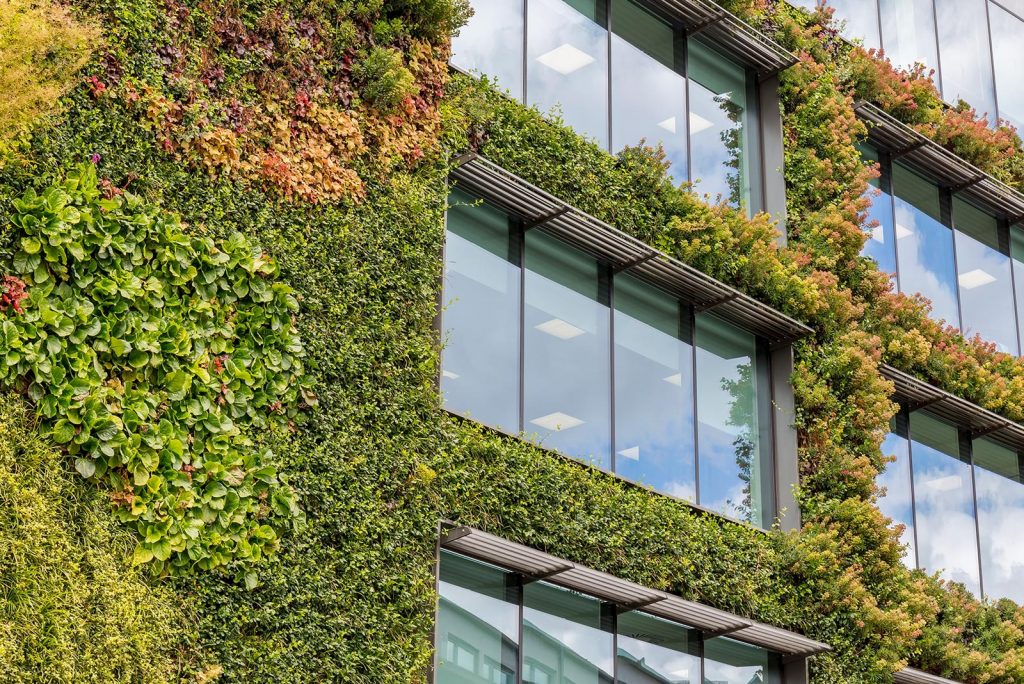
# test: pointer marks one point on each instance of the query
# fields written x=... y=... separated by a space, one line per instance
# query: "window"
x=966 y=53
x=492 y=43
x=603 y=367
x=924 y=246
x=961 y=500
x=937 y=235
x=984 y=277
x=569 y=637
x=477 y=623
x=617 y=72
x=897 y=501
x=482 y=284
x=908 y=33
x=861 y=19
x=1007 y=29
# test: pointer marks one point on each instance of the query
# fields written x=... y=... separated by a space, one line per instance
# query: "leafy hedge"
x=296 y=125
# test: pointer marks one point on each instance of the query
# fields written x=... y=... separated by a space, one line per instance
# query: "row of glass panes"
x=962 y=503
x=543 y=340
x=495 y=628
x=973 y=45
x=618 y=74
x=964 y=260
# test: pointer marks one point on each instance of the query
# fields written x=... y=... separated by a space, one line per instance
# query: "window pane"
x=908 y=33
x=656 y=651
x=567 y=637
x=983 y=274
x=648 y=91
x=1017 y=254
x=898 y=500
x=965 y=53
x=727 y=420
x=1016 y=6
x=653 y=389
x=881 y=242
x=480 y=362
x=567 y=353
x=924 y=246
x=1000 y=510
x=477 y=623
x=1007 y=30
x=567 y=63
x=492 y=43
x=861 y=20
x=719 y=144
x=946 y=534
x=730 y=662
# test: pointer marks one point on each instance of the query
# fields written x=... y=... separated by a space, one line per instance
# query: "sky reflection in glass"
x=655 y=651
x=908 y=33
x=480 y=360
x=1000 y=511
x=1007 y=31
x=966 y=54
x=730 y=662
x=984 y=277
x=898 y=502
x=567 y=64
x=566 y=360
x=727 y=420
x=653 y=389
x=946 y=531
x=861 y=19
x=881 y=242
x=924 y=245
x=491 y=43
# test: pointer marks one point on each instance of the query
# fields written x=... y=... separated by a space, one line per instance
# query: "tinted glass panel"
x=567 y=63
x=655 y=651
x=1000 y=512
x=491 y=43
x=730 y=662
x=719 y=146
x=898 y=501
x=567 y=353
x=567 y=637
x=908 y=32
x=924 y=246
x=727 y=420
x=861 y=20
x=648 y=90
x=1007 y=30
x=477 y=623
x=946 y=533
x=965 y=53
x=1015 y=6
x=1017 y=252
x=480 y=362
x=653 y=389
x=881 y=242
x=983 y=274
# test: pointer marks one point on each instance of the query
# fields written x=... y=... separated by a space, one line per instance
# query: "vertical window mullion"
x=904 y=415
x=967 y=454
x=885 y=182
x=946 y=208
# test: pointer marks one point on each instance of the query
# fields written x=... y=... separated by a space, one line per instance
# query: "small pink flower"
x=95 y=158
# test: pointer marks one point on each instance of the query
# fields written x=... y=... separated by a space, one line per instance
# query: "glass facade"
x=495 y=627
x=960 y=500
x=545 y=341
x=964 y=260
x=621 y=75
x=973 y=45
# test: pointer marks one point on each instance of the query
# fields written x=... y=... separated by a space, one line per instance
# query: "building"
x=568 y=333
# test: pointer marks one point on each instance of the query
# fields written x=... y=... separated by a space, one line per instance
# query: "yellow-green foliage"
x=72 y=609
x=41 y=48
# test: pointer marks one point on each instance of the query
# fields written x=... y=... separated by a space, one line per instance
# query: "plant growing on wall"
x=152 y=355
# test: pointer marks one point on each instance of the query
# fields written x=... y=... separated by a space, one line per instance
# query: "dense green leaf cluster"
x=152 y=354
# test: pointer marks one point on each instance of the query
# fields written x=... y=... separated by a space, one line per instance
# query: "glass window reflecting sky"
x=908 y=33
x=861 y=18
x=626 y=86
x=565 y=352
x=965 y=53
x=1000 y=509
x=881 y=241
x=1007 y=30
x=898 y=503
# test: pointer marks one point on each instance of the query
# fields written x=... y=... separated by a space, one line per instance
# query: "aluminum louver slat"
x=909 y=675
x=536 y=207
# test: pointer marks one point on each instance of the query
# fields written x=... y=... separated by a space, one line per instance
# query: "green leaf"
x=31 y=245
x=63 y=432
x=86 y=467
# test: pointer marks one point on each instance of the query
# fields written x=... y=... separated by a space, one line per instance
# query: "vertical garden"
x=223 y=456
